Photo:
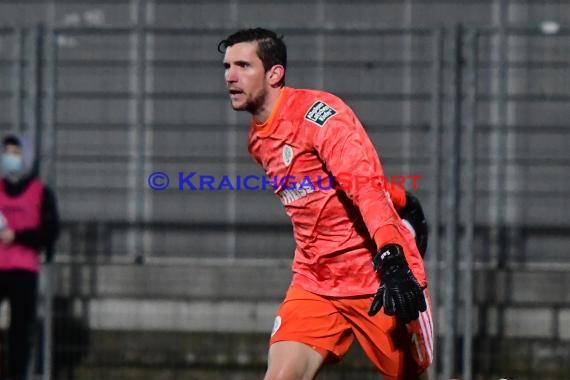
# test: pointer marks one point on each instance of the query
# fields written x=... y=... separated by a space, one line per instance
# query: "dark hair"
x=270 y=47
x=11 y=140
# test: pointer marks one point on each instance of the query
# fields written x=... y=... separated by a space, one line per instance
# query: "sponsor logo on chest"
x=319 y=113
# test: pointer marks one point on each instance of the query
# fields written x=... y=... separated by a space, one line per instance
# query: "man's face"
x=12 y=149
x=11 y=161
x=245 y=77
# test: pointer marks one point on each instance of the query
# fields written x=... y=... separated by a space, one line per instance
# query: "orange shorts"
x=330 y=324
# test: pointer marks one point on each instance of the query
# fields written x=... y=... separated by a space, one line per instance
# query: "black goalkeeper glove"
x=399 y=292
x=413 y=213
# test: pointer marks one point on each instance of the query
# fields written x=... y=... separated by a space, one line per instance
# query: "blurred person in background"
x=354 y=254
x=29 y=224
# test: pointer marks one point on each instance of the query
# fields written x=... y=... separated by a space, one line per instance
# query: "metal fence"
x=480 y=113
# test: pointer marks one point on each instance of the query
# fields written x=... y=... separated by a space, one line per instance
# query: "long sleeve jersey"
x=328 y=176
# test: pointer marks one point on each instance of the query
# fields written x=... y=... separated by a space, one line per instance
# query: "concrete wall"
x=521 y=319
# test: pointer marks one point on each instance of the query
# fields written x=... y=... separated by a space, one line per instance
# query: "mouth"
x=235 y=94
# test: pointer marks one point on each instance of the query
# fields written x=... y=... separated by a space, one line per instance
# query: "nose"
x=230 y=75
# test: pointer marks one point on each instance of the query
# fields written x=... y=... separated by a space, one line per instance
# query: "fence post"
x=35 y=88
x=18 y=80
x=453 y=186
x=471 y=43
x=434 y=254
x=139 y=138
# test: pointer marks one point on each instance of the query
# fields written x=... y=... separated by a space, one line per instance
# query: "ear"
x=275 y=74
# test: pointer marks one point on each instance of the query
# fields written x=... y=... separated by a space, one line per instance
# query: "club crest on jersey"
x=319 y=113
x=287 y=154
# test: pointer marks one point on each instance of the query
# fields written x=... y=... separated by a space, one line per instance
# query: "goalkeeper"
x=354 y=255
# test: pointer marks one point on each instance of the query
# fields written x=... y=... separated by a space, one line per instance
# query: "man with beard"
x=354 y=254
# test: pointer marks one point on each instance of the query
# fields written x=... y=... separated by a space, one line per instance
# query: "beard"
x=253 y=105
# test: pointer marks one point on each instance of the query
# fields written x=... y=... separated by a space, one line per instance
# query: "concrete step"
x=203 y=356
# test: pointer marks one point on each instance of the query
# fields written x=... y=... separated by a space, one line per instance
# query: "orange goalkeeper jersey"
x=310 y=137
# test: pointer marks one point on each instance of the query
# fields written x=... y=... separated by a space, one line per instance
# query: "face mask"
x=11 y=164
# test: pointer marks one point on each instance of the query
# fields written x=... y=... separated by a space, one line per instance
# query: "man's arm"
x=397 y=195
x=346 y=150
x=410 y=210
x=413 y=216
x=344 y=147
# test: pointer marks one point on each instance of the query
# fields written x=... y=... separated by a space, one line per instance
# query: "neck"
x=262 y=114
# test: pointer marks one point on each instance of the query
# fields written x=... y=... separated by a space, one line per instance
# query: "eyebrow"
x=239 y=62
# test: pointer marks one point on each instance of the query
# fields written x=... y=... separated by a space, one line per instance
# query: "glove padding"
x=399 y=292
x=413 y=213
